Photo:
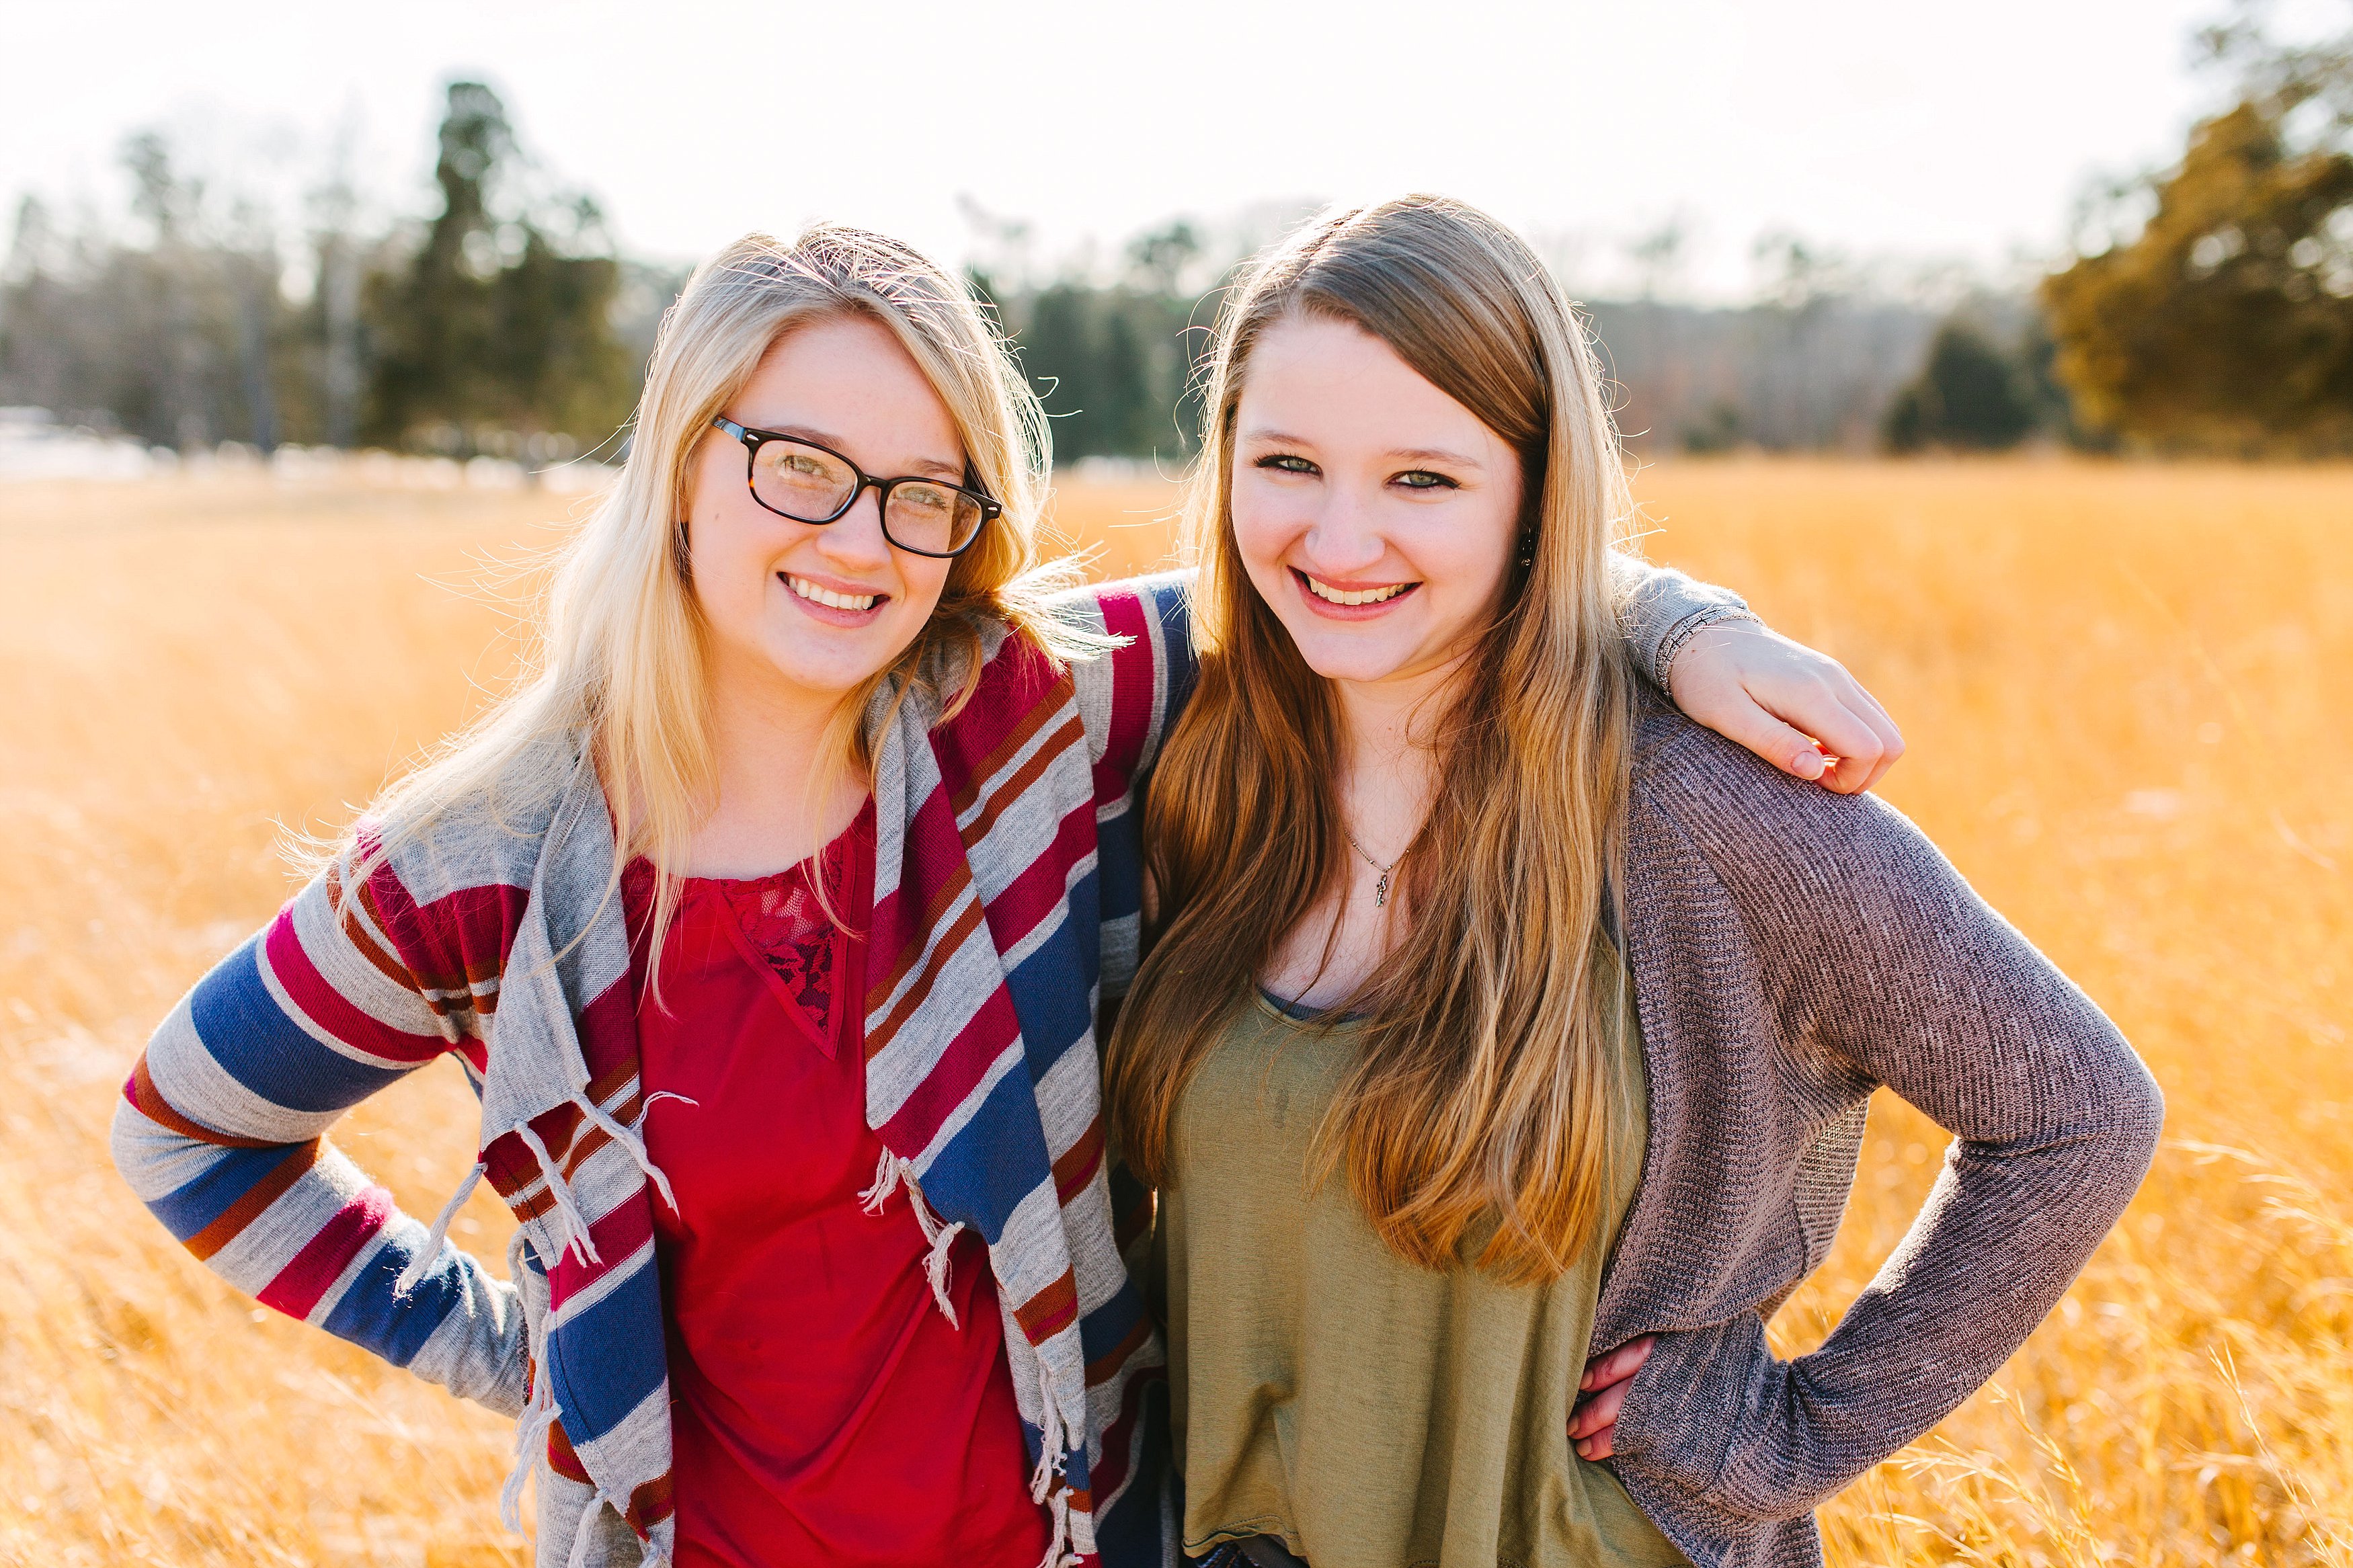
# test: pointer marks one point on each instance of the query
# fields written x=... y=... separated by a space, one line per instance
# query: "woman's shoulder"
x=459 y=824
x=1757 y=827
x=1128 y=606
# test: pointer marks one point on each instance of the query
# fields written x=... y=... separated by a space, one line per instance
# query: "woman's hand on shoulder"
x=1601 y=1394
x=1797 y=709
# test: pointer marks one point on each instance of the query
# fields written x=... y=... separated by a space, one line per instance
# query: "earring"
x=1528 y=549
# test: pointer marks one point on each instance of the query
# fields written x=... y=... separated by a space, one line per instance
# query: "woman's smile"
x=1340 y=599
x=834 y=603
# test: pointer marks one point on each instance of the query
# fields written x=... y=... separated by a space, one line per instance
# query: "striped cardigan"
x=1007 y=898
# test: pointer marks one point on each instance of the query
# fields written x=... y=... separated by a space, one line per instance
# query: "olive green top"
x=1368 y=1413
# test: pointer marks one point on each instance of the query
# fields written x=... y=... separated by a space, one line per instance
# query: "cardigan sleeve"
x=1883 y=967
x=221 y=1132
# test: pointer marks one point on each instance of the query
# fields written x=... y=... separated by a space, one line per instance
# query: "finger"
x=1891 y=743
x=1595 y=1435
x=1857 y=698
x=1816 y=709
x=1790 y=749
x=1618 y=1365
x=1598 y=1411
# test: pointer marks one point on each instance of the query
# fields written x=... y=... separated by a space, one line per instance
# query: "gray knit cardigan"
x=1793 y=949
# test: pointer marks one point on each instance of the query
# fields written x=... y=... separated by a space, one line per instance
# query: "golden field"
x=2128 y=692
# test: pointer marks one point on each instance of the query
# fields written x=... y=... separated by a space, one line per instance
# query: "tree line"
x=2208 y=307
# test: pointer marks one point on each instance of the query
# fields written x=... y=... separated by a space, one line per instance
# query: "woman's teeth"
x=811 y=592
x=1358 y=596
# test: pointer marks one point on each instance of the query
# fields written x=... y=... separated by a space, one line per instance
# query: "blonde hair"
x=1483 y=1077
x=618 y=660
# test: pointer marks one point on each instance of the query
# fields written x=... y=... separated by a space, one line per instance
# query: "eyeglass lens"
x=811 y=485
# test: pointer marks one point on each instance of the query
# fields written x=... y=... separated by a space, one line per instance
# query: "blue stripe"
x=228 y=1176
x=1083 y=901
x=1052 y=988
x=996 y=1161
x=1119 y=859
x=1171 y=602
x=1100 y=1331
x=267 y=1052
x=1127 y=1534
x=609 y=1359
x=397 y=1327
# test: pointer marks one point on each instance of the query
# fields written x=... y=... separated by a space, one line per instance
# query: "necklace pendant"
x=1381 y=888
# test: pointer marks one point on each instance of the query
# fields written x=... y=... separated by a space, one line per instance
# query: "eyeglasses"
x=810 y=483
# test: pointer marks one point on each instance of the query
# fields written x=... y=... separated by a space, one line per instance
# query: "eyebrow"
x=933 y=466
x=1404 y=455
x=1438 y=454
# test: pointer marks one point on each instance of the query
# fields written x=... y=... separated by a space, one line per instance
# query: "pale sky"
x=1877 y=128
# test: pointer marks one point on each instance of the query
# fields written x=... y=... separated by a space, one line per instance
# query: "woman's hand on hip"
x=1797 y=709
x=1601 y=1394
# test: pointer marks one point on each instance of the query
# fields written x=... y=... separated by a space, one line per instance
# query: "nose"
x=854 y=541
x=1342 y=541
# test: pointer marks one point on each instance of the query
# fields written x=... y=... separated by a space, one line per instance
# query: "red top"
x=823 y=1411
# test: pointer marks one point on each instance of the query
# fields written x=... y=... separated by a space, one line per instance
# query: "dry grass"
x=2129 y=693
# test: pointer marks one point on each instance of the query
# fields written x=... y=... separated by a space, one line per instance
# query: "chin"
x=1341 y=660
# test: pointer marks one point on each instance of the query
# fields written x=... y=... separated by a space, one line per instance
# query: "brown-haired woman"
x=1496 y=1016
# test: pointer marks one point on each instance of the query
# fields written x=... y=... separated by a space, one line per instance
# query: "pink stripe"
x=1042 y=886
x=608 y=1029
x=300 y=1285
x=985 y=1038
x=1130 y=693
x=934 y=850
x=617 y=1236
x=1011 y=687
x=466 y=931
x=333 y=1012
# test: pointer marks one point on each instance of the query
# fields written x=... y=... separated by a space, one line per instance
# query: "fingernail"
x=1809 y=764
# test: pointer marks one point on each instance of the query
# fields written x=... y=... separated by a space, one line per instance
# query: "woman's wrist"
x=1681 y=635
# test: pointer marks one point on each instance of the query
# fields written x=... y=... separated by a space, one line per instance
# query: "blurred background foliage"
x=2203 y=308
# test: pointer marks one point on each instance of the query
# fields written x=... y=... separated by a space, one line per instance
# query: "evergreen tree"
x=1969 y=395
x=498 y=324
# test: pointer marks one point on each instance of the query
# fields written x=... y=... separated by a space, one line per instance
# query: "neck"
x=1388 y=756
x=772 y=809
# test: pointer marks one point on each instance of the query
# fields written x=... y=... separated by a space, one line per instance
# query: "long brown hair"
x=1483 y=1078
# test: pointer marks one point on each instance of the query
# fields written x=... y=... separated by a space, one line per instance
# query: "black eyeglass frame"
x=753 y=439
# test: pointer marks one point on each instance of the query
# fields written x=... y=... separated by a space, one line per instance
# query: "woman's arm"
x=221 y=1132
x=1699 y=644
x=1797 y=709
x=1885 y=968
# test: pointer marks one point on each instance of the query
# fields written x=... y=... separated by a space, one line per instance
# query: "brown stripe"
x=1014 y=787
x=1029 y=725
x=942 y=897
x=651 y=1503
x=1060 y=1300
x=151 y=1104
x=1079 y=1161
x=617 y=1078
x=917 y=994
x=562 y=1457
x=356 y=932
x=1106 y=1366
x=233 y=1219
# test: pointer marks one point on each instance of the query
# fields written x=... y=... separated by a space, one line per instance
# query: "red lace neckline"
x=782 y=919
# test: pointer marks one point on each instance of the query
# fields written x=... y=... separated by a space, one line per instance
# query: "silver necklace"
x=1381 y=888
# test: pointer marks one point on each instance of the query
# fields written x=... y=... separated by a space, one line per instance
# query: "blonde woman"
x=1496 y=1017
x=768 y=918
